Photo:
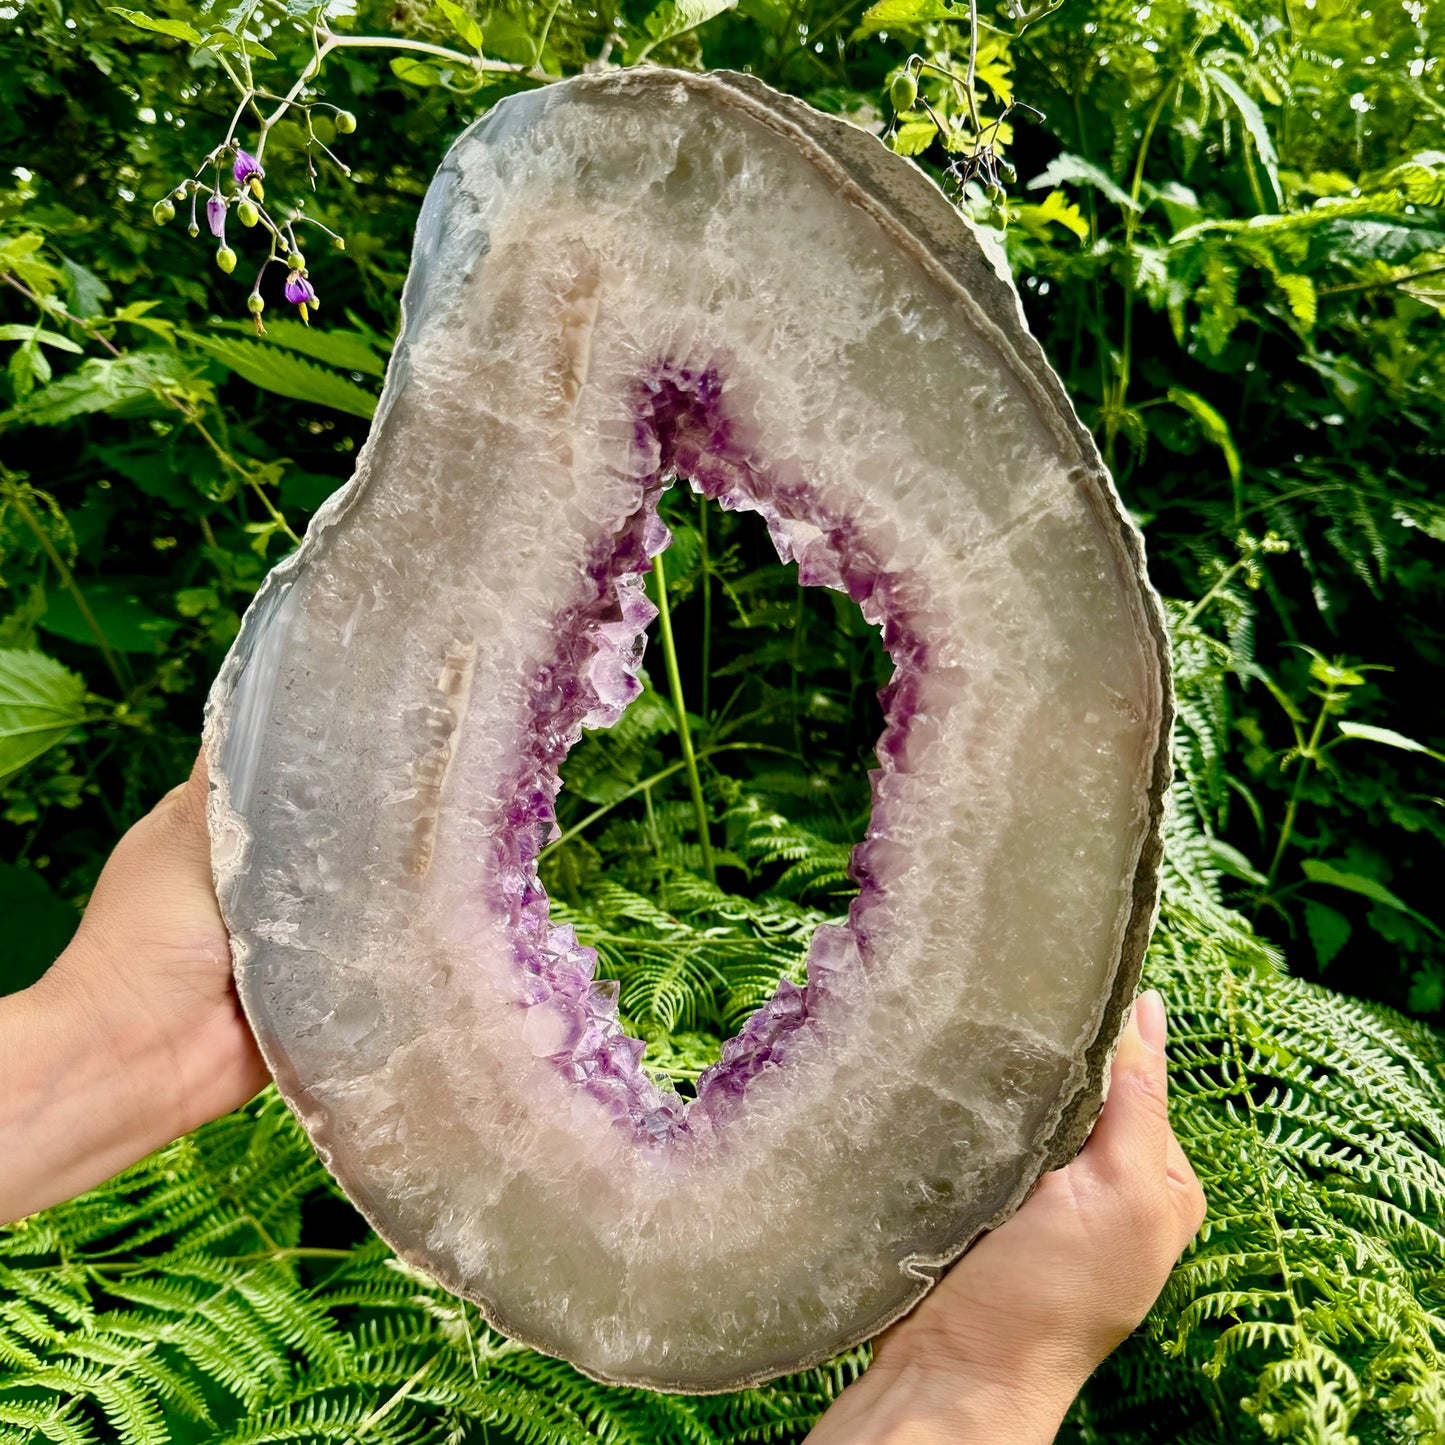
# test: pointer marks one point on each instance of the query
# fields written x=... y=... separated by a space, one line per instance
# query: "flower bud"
x=903 y=92
x=162 y=212
x=247 y=213
x=345 y=122
x=338 y=242
x=226 y=259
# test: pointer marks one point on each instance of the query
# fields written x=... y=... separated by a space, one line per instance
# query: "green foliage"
x=1228 y=226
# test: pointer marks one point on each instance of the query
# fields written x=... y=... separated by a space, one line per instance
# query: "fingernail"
x=1151 y=1019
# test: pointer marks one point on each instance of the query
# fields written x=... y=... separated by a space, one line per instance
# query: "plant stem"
x=1309 y=753
x=1224 y=580
x=647 y=784
x=706 y=609
x=679 y=705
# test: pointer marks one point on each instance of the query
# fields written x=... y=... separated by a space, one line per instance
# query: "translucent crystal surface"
x=617 y=281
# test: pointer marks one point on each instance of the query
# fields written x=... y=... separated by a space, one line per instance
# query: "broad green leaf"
x=671 y=19
x=1253 y=118
x=115 y=605
x=1390 y=739
x=1076 y=170
x=462 y=23
x=18 y=331
x=40 y=703
x=913 y=137
x=1329 y=931
x=1213 y=425
x=126 y=383
x=415 y=72
x=223 y=40
x=176 y=28
x=349 y=350
x=1056 y=209
x=39 y=926
x=273 y=369
x=1319 y=871
x=1233 y=862
x=89 y=295
x=907 y=14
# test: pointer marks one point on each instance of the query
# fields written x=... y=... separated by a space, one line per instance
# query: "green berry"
x=254 y=304
x=903 y=92
x=162 y=212
x=296 y=261
x=247 y=213
x=345 y=122
x=226 y=259
x=996 y=195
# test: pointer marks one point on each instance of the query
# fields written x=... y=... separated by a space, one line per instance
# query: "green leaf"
x=906 y=15
x=1055 y=210
x=1329 y=931
x=41 y=926
x=19 y=331
x=463 y=24
x=236 y=45
x=89 y=295
x=1253 y=118
x=348 y=350
x=1390 y=739
x=124 y=383
x=671 y=19
x=913 y=137
x=1213 y=425
x=127 y=624
x=40 y=703
x=275 y=370
x=1319 y=871
x=1075 y=170
x=415 y=72
x=176 y=28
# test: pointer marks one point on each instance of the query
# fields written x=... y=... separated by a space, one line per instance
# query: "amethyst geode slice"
x=620 y=281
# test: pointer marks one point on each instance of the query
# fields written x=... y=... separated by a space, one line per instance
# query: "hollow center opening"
x=706 y=834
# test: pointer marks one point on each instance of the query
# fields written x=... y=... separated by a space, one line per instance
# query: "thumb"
x=1131 y=1139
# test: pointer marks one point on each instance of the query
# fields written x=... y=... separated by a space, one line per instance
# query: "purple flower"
x=216 y=216
x=299 y=291
x=245 y=167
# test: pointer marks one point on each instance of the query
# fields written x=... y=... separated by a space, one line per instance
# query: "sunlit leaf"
x=41 y=702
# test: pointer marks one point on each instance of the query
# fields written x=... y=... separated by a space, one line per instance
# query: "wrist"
x=912 y=1397
x=924 y=1403
x=88 y=1090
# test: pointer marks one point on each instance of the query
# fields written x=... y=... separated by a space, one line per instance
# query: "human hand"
x=998 y=1350
x=135 y=1034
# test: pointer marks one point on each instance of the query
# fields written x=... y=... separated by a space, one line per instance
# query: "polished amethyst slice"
x=621 y=282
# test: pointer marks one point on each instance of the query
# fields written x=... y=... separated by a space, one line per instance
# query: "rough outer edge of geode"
x=914 y=212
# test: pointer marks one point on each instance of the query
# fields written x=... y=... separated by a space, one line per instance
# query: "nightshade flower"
x=248 y=172
x=216 y=216
x=300 y=293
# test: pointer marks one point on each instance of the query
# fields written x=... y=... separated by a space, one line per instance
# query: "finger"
x=156 y=885
x=1132 y=1136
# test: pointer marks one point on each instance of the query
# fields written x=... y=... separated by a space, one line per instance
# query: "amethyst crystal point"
x=617 y=281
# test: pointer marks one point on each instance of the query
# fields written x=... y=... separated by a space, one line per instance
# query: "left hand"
x=135 y=1035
